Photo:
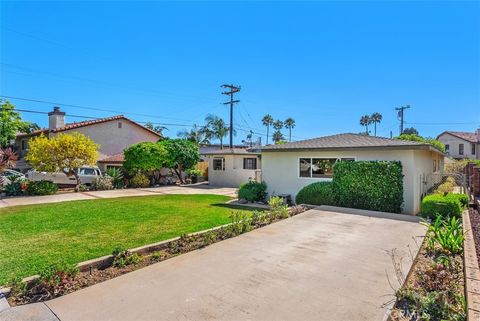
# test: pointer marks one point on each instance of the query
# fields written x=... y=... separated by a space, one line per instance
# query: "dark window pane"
x=322 y=167
x=218 y=164
x=305 y=164
x=249 y=163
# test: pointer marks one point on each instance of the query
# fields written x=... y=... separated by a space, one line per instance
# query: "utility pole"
x=400 y=116
x=233 y=90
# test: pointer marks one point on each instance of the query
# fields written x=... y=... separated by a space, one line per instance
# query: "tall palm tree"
x=278 y=124
x=216 y=128
x=277 y=136
x=267 y=120
x=289 y=124
x=376 y=118
x=365 y=121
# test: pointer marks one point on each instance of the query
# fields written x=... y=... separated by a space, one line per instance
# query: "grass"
x=35 y=236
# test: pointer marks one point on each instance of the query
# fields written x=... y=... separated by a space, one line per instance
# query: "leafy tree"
x=289 y=124
x=11 y=123
x=365 y=120
x=415 y=138
x=410 y=131
x=277 y=136
x=267 y=120
x=145 y=157
x=158 y=129
x=216 y=128
x=249 y=140
x=198 y=135
x=376 y=118
x=182 y=155
x=64 y=153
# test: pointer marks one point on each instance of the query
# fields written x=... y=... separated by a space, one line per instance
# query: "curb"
x=355 y=211
x=471 y=271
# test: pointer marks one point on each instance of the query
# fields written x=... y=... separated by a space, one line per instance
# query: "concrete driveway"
x=318 y=265
x=71 y=196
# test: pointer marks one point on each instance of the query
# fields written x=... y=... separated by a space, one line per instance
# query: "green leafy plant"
x=117 y=175
x=139 y=180
x=372 y=185
x=447 y=233
x=102 y=183
x=82 y=188
x=319 y=193
x=42 y=188
x=415 y=138
x=443 y=205
x=240 y=223
x=278 y=208
x=156 y=256
x=122 y=257
x=14 y=188
x=253 y=191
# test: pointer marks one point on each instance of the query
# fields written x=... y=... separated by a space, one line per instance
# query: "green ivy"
x=371 y=185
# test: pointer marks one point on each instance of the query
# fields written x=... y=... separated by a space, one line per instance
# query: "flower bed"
x=435 y=288
x=60 y=280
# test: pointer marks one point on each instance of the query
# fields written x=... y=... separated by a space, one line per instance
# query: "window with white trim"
x=318 y=167
x=219 y=164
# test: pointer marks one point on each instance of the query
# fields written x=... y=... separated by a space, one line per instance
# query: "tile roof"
x=117 y=158
x=341 y=141
x=470 y=137
x=83 y=124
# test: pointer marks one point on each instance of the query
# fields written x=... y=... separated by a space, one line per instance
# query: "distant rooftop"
x=468 y=136
x=347 y=141
x=234 y=151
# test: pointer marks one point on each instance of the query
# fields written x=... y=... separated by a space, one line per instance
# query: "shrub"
x=447 y=233
x=122 y=257
x=42 y=188
x=443 y=205
x=102 y=183
x=139 y=180
x=371 y=185
x=278 y=208
x=253 y=191
x=117 y=175
x=319 y=193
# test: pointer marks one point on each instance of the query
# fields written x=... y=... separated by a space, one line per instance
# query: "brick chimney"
x=56 y=118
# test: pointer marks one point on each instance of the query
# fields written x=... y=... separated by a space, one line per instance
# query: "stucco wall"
x=234 y=174
x=114 y=140
x=280 y=170
x=454 y=143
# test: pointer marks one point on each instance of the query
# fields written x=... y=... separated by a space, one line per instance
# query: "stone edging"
x=471 y=271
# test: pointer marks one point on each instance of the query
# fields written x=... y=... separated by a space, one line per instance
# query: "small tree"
x=410 y=131
x=182 y=155
x=65 y=153
x=11 y=123
x=145 y=157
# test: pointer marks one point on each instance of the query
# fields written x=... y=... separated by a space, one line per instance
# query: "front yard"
x=35 y=236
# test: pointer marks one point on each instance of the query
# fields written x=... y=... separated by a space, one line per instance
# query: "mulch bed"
x=475 y=222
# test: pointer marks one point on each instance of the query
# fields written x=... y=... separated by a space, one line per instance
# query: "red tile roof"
x=470 y=137
x=117 y=158
x=83 y=124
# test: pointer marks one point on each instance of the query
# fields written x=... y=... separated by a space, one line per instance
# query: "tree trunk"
x=268 y=127
x=221 y=143
x=178 y=171
x=375 y=126
x=289 y=134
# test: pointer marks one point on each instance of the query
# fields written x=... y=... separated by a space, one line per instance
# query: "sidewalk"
x=65 y=197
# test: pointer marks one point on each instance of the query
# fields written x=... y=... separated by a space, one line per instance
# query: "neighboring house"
x=232 y=167
x=113 y=134
x=461 y=144
x=289 y=167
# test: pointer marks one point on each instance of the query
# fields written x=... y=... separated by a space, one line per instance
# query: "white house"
x=289 y=167
x=113 y=134
x=232 y=167
x=461 y=144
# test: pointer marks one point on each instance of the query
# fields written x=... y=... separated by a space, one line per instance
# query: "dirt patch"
x=475 y=223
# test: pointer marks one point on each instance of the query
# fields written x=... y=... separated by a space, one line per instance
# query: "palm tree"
x=289 y=123
x=277 y=136
x=278 y=124
x=216 y=128
x=376 y=118
x=197 y=135
x=365 y=121
x=267 y=120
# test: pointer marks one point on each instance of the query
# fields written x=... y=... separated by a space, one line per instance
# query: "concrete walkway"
x=318 y=265
x=64 y=197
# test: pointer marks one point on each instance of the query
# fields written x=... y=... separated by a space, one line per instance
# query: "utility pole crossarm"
x=400 y=115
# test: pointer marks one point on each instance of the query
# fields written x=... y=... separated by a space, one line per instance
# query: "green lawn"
x=34 y=236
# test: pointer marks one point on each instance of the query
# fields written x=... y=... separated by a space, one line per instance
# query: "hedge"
x=253 y=191
x=371 y=185
x=444 y=205
x=319 y=193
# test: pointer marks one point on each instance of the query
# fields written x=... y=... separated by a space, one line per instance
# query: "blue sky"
x=323 y=63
